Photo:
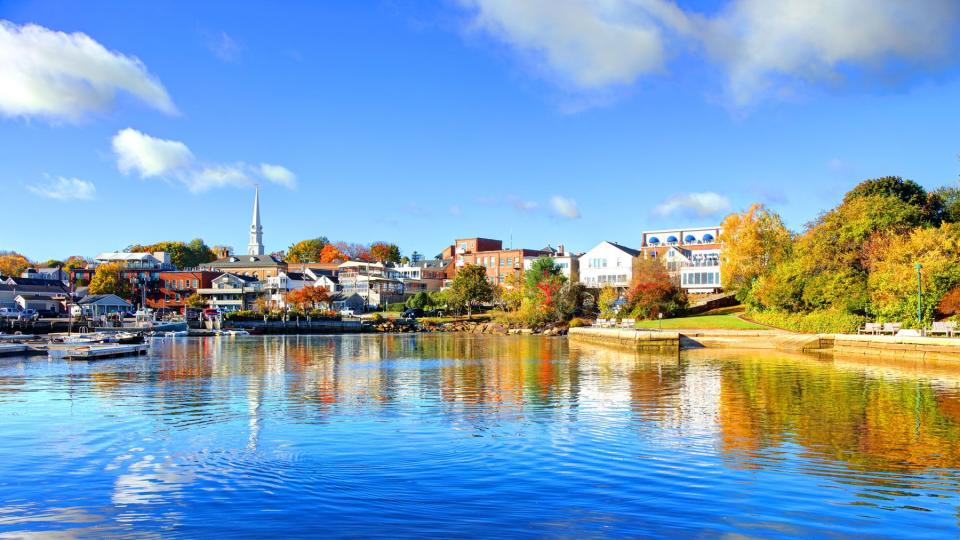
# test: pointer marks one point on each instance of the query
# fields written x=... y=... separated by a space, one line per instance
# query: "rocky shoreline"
x=463 y=327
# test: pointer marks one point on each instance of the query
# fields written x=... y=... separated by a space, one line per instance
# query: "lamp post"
x=919 y=297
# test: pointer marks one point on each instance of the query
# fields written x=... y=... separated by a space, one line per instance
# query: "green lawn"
x=726 y=321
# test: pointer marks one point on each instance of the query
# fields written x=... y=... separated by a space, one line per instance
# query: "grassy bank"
x=722 y=321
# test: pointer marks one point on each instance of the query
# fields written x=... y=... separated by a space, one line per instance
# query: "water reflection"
x=446 y=434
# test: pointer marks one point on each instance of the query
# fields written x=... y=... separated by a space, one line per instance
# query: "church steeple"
x=255 y=247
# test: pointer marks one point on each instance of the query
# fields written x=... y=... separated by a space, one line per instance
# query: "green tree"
x=470 y=288
x=107 y=280
x=421 y=300
x=950 y=200
x=307 y=251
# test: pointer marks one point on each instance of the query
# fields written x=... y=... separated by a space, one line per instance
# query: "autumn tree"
x=73 y=262
x=354 y=251
x=893 y=275
x=307 y=251
x=108 y=280
x=13 y=263
x=753 y=241
x=607 y=301
x=182 y=255
x=652 y=292
x=384 y=253
x=470 y=288
x=195 y=301
x=330 y=254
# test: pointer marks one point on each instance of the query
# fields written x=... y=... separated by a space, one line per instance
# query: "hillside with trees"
x=855 y=263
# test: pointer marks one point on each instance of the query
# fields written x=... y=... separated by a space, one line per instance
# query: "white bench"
x=871 y=328
x=947 y=328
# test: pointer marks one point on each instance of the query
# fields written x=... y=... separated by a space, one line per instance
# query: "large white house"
x=692 y=256
x=608 y=263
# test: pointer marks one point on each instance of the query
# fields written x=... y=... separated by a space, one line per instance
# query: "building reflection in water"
x=746 y=407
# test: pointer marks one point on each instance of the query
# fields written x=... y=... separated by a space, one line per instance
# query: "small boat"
x=128 y=338
x=236 y=333
x=177 y=333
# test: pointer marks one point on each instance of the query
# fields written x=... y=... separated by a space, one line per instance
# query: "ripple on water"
x=473 y=436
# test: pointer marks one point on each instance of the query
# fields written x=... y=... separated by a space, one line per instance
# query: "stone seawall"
x=908 y=347
x=634 y=340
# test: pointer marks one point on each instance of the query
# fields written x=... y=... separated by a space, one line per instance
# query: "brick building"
x=498 y=262
x=177 y=286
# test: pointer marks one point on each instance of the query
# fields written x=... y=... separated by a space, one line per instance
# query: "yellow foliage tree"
x=752 y=242
x=107 y=280
x=13 y=264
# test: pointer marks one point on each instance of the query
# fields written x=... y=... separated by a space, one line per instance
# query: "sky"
x=532 y=121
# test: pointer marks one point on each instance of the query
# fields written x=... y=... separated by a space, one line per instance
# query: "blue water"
x=463 y=436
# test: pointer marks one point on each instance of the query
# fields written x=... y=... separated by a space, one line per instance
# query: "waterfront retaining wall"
x=910 y=347
x=625 y=338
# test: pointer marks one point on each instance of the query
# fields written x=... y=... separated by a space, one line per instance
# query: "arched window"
x=671 y=239
x=708 y=237
x=653 y=241
x=690 y=238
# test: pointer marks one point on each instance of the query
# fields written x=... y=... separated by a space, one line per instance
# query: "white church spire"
x=255 y=247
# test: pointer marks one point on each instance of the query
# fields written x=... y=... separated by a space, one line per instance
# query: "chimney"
x=561 y=250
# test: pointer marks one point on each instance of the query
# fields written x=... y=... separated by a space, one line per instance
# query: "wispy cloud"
x=62 y=76
x=706 y=204
x=151 y=157
x=522 y=205
x=224 y=47
x=66 y=189
x=565 y=207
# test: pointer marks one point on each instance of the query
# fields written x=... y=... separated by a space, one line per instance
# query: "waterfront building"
x=141 y=271
x=607 y=263
x=691 y=256
x=232 y=292
x=278 y=286
x=262 y=267
x=498 y=262
x=54 y=294
x=178 y=285
x=50 y=274
x=96 y=305
x=421 y=275
x=371 y=282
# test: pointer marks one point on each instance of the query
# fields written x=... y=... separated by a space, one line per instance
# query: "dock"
x=12 y=349
x=97 y=352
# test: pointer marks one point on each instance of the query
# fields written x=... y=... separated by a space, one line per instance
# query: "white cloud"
x=225 y=47
x=589 y=43
x=149 y=156
x=704 y=204
x=565 y=207
x=766 y=45
x=66 y=189
x=278 y=174
x=56 y=75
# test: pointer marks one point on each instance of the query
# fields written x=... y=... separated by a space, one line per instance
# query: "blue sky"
x=561 y=121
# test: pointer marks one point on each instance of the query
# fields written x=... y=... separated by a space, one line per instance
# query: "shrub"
x=398 y=306
x=814 y=322
x=950 y=303
x=578 y=322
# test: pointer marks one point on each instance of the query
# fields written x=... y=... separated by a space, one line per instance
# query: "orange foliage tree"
x=13 y=264
x=384 y=252
x=330 y=254
x=652 y=292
